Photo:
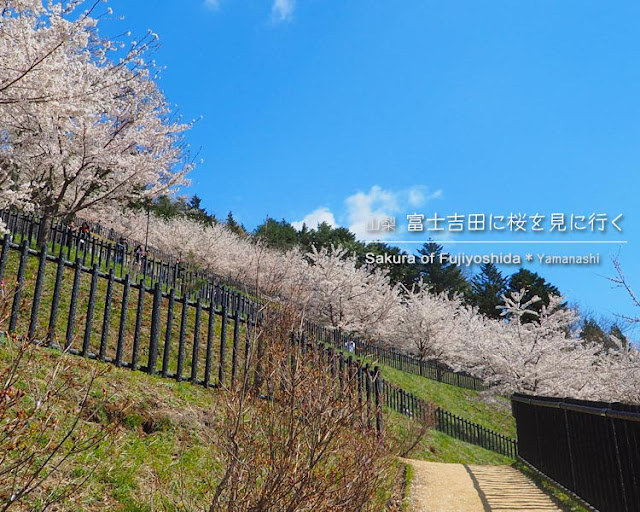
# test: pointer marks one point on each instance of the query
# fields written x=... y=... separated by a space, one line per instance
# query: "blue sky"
x=337 y=110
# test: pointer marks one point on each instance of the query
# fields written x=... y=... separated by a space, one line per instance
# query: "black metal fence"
x=109 y=249
x=364 y=378
x=98 y=315
x=590 y=448
x=202 y=338
x=399 y=400
x=104 y=248
x=95 y=314
x=454 y=426
x=430 y=369
x=473 y=433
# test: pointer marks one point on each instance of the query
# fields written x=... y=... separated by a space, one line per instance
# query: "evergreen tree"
x=279 y=235
x=403 y=273
x=233 y=226
x=534 y=284
x=487 y=288
x=439 y=273
x=616 y=331
x=324 y=236
x=168 y=208
x=196 y=212
x=592 y=332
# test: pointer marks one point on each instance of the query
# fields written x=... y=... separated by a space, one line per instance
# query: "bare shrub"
x=294 y=436
x=44 y=438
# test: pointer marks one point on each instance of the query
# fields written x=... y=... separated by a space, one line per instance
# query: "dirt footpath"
x=440 y=487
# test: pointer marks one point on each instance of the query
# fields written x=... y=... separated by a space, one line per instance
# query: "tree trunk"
x=44 y=230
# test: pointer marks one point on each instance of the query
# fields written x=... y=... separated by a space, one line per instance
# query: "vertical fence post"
x=368 y=387
x=360 y=387
x=88 y=326
x=570 y=450
x=250 y=323
x=152 y=361
x=196 y=342
x=17 y=295
x=123 y=320
x=377 y=382
x=4 y=255
x=74 y=303
x=223 y=344
x=618 y=463
x=183 y=333
x=37 y=293
x=55 y=301
x=106 y=319
x=93 y=249
x=209 y=351
x=138 y=327
x=234 y=354
x=167 y=337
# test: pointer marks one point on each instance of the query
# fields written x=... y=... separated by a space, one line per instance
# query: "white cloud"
x=436 y=195
x=417 y=196
x=282 y=10
x=316 y=217
x=364 y=207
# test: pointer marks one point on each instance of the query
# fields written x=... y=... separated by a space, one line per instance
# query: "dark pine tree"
x=534 y=284
x=404 y=273
x=278 y=235
x=196 y=212
x=234 y=226
x=441 y=275
x=487 y=288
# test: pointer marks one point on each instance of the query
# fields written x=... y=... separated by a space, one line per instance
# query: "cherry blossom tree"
x=83 y=121
x=545 y=356
x=12 y=194
x=618 y=378
x=351 y=297
x=427 y=323
x=541 y=357
x=620 y=281
x=214 y=248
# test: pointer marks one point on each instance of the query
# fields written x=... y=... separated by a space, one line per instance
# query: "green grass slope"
x=490 y=411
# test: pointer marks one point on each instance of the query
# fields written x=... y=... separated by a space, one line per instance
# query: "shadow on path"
x=440 y=487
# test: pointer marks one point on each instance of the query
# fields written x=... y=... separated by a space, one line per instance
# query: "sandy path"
x=440 y=487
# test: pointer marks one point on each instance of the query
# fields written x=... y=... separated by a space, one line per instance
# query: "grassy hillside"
x=490 y=411
x=162 y=444
x=167 y=447
x=436 y=446
x=165 y=444
x=98 y=324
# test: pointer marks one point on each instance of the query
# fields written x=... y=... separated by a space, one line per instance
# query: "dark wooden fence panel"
x=590 y=448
